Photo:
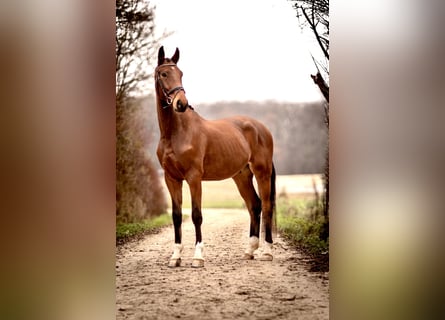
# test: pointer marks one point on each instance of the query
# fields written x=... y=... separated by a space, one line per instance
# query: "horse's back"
x=255 y=132
x=234 y=142
x=244 y=128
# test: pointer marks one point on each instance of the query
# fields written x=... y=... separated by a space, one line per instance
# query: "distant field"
x=224 y=194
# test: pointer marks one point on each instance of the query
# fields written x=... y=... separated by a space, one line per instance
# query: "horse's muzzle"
x=180 y=103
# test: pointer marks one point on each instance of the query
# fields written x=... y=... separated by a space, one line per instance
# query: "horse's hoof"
x=266 y=257
x=248 y=256
x=173 y=263
x=198 y=263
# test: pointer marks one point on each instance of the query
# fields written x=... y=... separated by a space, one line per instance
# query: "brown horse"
x=195 y=149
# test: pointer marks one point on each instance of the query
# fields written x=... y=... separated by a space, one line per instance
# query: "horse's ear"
x=175 y=57
x=161 y=55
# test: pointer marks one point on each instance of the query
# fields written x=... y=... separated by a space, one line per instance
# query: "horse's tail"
x=273 y=200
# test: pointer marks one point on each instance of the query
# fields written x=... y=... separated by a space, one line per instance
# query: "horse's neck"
x=171 y=122
x=163 y=119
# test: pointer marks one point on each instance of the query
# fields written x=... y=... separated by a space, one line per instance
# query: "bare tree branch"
x=136 y=45
x=315 y=15
x=313 y=26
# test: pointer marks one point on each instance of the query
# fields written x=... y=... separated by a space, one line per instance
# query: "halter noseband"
x=167 y=94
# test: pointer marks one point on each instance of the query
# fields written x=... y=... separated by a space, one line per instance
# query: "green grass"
x=129 y=230
x=300 y=221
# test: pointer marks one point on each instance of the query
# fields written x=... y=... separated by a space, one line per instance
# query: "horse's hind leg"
x=245 y=186
x=265 y=176
x=175 y=189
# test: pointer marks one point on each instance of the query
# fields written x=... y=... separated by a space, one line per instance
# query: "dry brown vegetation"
x=139 y=192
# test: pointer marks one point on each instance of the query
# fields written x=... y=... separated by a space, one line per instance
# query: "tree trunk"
x=319 y=81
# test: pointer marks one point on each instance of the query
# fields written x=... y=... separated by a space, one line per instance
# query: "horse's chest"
x=175 y=159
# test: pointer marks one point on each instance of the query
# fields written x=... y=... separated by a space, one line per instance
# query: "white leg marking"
x=198 y=251
x=267 y=252
x=175 y=260
x=198 y=260
x=177 y=250
x=254 y=243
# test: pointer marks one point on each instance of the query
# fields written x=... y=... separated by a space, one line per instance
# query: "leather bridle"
x=167 y=94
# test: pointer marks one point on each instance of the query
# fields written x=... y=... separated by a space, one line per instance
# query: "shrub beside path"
x=227 y=287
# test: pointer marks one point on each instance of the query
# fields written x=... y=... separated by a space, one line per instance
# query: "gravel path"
x=227 y=287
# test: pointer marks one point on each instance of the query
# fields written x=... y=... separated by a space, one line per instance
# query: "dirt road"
x=227 y=287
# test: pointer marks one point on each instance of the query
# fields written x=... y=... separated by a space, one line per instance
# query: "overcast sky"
x=239 y=49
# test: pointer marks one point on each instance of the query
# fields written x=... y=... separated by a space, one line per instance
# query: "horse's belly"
x=222 y=174
x=224 y=165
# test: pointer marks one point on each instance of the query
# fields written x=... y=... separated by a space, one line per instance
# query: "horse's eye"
x=163 y=74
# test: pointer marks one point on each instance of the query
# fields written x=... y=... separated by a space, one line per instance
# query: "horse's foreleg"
x=175 y=189
x=196 y=194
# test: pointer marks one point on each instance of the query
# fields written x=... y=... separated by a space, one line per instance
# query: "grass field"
x=224 y=194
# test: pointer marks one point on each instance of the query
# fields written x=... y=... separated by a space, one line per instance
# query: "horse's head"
x=168 y=79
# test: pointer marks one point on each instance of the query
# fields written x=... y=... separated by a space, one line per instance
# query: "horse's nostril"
x=180 y=107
